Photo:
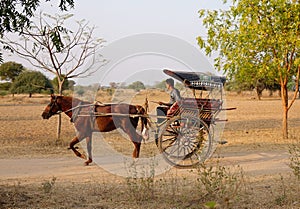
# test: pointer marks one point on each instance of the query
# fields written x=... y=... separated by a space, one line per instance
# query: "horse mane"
x=75 y=100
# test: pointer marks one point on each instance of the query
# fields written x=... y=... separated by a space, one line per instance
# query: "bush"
x=137 y=86
x=294 y=164
x=5 y=86
x=220 y=184
x=3 y=93
x=30 y=82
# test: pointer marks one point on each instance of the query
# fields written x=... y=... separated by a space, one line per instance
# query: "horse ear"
x=52 y=96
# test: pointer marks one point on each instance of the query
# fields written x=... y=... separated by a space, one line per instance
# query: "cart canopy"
x=197 y=80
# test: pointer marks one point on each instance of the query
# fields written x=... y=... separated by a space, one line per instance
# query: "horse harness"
x=91 y=113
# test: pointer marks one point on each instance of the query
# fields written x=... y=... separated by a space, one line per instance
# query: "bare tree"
x=16 y=14
x=66 y=53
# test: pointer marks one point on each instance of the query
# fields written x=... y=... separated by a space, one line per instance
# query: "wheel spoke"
x=185 y=141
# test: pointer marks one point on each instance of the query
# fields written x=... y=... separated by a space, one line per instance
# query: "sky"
x=117 y=20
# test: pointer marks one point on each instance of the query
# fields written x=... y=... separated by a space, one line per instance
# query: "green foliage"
x=80 y=90
x=137 y=85
x=67 y=84
x=3 y=93
x=5 y=86
x=30 y=82
x=219 y=183
x=211 y=205
x=256 y=40
x=10 y=70
x=16 y=14
x=238 y=86
x=67 y=50
x=161 y=85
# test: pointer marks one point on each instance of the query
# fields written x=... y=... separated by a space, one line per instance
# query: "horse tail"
x=144 y=119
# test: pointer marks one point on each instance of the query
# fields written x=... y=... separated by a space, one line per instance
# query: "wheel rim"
x=185 y=141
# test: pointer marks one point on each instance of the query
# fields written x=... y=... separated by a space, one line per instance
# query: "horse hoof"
x=88 y=162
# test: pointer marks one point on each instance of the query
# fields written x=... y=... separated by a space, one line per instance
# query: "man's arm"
x=164 y=103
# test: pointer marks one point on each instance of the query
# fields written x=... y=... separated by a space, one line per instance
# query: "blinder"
x=52 y=105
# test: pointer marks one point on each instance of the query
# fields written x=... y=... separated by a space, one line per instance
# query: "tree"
x=68 y=84
x=250 y=79
x=16 y=14
x=80 y=90
x=30 y=82
x=10 y=70
x=50 y=46
x=64 y=57
x=257 y=38
x=137 y=85
x=5 y=86
x=160 y=85
x=113 y=85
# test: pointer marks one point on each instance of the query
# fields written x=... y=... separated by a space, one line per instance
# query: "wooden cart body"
x=187 y=138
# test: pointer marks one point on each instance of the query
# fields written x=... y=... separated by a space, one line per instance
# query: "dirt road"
x=72 y=168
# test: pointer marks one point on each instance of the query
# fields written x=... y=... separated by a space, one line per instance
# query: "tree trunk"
x=59 y=127
x=260 y=86
x=58 y=136
x=284 y=99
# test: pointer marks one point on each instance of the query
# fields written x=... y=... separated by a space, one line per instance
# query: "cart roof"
x=197 y=80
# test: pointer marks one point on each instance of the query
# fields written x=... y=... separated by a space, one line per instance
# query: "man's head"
x=170 y=82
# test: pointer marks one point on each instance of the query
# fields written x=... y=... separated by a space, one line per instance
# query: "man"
x=172 y=105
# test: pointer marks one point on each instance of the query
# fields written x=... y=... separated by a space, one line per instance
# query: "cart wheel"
x=185 y=141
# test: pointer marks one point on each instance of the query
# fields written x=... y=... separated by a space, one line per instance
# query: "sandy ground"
x=253 y=132
x=254 y=164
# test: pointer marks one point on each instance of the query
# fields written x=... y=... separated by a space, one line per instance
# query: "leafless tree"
x=66 y=53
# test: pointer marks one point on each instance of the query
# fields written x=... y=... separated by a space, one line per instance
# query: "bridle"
x=57 y=105
x=52 y=105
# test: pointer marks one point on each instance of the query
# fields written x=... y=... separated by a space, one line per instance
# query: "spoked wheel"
x=185 y=141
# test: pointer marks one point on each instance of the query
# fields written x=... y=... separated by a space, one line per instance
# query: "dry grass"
x=255 y=126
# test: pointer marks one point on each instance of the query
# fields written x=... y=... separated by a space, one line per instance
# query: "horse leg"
x=130 y=129
x=136 y=151
x=89 y=150
x=74 y=141
x=136 y=140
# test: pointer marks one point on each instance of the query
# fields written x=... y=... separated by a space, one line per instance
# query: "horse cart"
x=187 y=136
x=184 y=138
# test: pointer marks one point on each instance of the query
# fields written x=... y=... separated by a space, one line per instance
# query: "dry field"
x=250 y=171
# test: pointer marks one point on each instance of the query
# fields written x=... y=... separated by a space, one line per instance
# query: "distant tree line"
x=16 y=79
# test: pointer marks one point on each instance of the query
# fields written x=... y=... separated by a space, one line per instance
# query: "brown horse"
x=98 y=118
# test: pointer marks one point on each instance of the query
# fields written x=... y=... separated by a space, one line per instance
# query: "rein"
x=97 y=103
x=78 y=106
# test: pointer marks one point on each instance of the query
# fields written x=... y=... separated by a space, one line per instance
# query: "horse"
x=99 y=118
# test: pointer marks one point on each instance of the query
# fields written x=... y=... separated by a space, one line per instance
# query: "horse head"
x=54 y=107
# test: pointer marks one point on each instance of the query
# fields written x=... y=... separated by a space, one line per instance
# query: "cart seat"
x=201 y=104
x=205 y=109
